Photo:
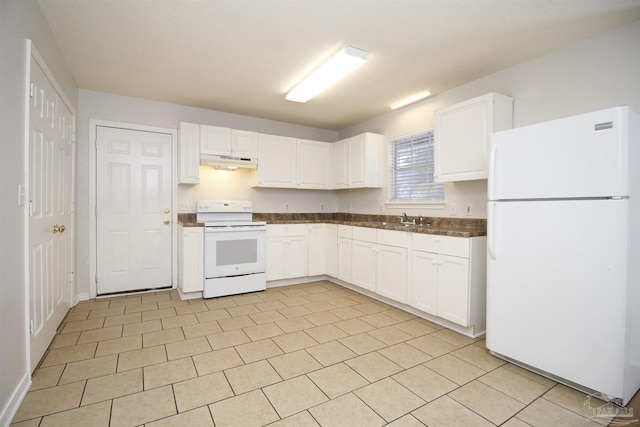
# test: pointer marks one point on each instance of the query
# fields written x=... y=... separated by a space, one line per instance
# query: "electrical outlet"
x=453 y=209
x=381 y=208
x=321 y=207
x=286 y=206
x=185 y=206
x=468 y=210
x=349 y=207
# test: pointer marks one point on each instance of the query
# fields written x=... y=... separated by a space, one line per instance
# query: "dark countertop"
x=456 y=227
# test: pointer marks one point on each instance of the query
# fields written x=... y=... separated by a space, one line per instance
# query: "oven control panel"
x=232 y=206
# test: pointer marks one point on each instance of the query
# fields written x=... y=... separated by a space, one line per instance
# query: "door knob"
x=166 y=221
x=166 y=210
x=55 y=229
x=61 y=228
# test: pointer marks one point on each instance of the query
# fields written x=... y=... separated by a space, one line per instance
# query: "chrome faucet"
x=404 y=219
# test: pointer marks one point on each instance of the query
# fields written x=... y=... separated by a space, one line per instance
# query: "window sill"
x=405 y=204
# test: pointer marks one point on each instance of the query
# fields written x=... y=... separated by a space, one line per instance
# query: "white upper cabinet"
x=341 y=164
x=293 y=163
x=462 y=134
x=188 y=153
x=223 y=141
x=215 y=140
x=358 y=162
x=277 y=161
x=314 y=165
x=244 y=144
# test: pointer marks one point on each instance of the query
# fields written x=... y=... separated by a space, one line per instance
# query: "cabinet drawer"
x=345 y=231
x=446 y=245
x=281 y=230
x=393 y=238
x=364 y=234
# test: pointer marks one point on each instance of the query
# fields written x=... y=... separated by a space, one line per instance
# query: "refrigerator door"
x=556 y=288
x=577 y=157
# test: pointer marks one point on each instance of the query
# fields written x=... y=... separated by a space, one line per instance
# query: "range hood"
x=228 y=162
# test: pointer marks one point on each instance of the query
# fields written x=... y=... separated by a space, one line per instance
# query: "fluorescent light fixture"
x=337 y=67
x=411 y=100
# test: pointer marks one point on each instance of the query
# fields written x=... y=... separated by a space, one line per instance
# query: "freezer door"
x=556 y=288
x=576 y=157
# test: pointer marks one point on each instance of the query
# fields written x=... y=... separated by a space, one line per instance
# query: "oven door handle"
x=233 y=229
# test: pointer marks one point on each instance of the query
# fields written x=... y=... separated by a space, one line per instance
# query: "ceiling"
x=242 y=56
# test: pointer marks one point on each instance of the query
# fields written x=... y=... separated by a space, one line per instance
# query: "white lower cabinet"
x=363 y=262
x=392 y=272
x=190 y=259
x=317 y=249
x=287 y=255
x=447 y=278
x=453 y=289
x=345 y=233
x=331 y=250
x=379 y=262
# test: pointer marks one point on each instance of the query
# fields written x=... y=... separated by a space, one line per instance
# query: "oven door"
x=234 y=251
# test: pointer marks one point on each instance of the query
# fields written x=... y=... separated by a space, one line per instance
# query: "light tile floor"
x=313 y=354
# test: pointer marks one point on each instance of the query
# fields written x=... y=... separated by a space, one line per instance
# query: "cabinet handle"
x=439 y=262
x=437 y=239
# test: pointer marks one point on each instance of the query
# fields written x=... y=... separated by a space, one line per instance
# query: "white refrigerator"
x=563 y=269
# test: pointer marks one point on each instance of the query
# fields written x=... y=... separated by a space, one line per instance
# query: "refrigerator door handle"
x=491 y=237
x=492 y=170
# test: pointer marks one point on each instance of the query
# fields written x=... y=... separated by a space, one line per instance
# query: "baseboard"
x=12 y=406
x=84 y=296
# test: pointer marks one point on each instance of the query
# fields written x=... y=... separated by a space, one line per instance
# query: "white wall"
x=214 y=184
x=19 y=20
x=594 y=74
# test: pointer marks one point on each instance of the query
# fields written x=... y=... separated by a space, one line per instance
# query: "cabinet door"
x=365 y=161
x=297 y=258
x=461 y=136
x=244 y=144
x=276 y=258
x=276 y=161
x=392 y=273
x=191 y=259
x=344 y=259
x=424 y=281
x=356 y=161
x=314 y=165
x=453 y=289
x=317 y=249
x=363 y=264
x=341 y=164
x=331 y=250
x=188 y=153
x=215 y=140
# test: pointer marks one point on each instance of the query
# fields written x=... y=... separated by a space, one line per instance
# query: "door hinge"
x=31 y=89
x=96 y=278
x=31 y=326
x=30 y=208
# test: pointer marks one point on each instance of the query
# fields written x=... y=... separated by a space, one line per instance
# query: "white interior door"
x=51 y=153
x=133 y=210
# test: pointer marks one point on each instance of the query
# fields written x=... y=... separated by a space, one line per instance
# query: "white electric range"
x=234 y=248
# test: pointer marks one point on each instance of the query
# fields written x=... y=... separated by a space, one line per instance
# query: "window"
x=412 y=167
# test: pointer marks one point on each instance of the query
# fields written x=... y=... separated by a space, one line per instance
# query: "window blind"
x=412 y=169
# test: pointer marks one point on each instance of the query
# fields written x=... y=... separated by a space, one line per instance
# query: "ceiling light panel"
x=336 y=68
